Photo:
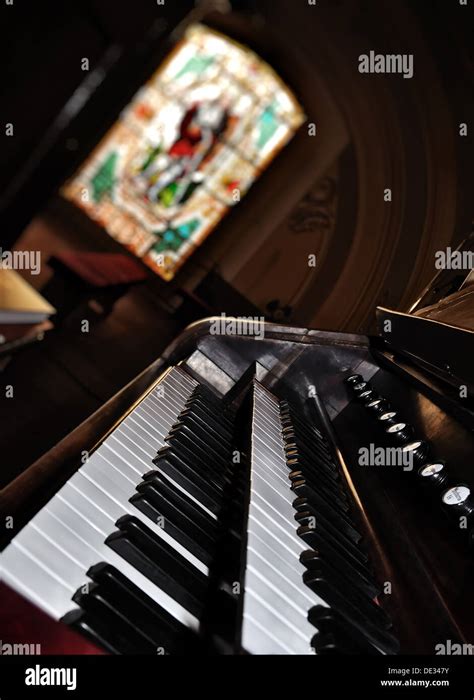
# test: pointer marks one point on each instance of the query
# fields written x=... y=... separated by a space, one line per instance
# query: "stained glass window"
x=187 y=148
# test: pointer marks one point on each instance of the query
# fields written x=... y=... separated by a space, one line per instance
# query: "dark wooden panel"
x=416 y=547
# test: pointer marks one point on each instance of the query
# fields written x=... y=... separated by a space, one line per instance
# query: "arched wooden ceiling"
x=387 y=132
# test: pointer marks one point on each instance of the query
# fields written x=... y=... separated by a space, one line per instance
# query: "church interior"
x=323 y=195
x=222 y=158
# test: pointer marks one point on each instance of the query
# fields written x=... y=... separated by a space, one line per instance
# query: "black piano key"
x=216 y=412
x=202 y=452
x=312 y=456
x=348 y=539
x=313 y=472
x=218 y=437
x=215 y=419
x=205 y=462
x=337 y=498
x=208 y=396
x=164 y=630
x=97 y=631
x=329 y=643
x=201 y=442
x=308 y=438
x=347 y=565
x=315 y=561
x=342 y=544
x=329 y=621
x=361 y=577
x=170 y=467
x=340 y=506
x=382 y=639
x=306 y=427
x=176 y=524
x=295 y=464
x=328 y=504
x=371 y=616
x=220 y=428
x=202 y=464
x=159 y=562
x=313 y=459
x=186 y=505
x=119 y=628
x=310 y=441
x=310 y=445
x=184 y=473
x=301 y=490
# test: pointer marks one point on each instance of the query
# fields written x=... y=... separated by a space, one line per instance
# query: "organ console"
x=218 y=504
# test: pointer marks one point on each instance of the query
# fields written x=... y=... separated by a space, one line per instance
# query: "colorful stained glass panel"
x=186 y=149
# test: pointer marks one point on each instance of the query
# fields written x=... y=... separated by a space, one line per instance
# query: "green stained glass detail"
x=173 y=238
x=104 y=180
x=167 y=195
x=187 y=229
x=150 y=157
x=196 y=64
x=268 y=124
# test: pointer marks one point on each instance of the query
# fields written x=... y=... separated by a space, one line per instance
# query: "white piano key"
x=180 y=488
x=259 y=542
x=258 y=607
x=281 y=543
x=44 y=551
x=166 y=405
x=276 y=600
x=124 y=447
x=257 y=640
x=270 y=444
x=129 y=440
x=113 y=458
x=263 y=445
x=275 y=508
x=149 y=442
x=156 y=419
x=277 y=583
x=77 y=535
x=157 y=413
x=279 y=481
x=283 y=528
x=139 y=439
x=89 y=522
x=182 y=378
x=293 y=627
x=111 y=494
x=98 y=519
x=51 y=528
x=46 y=562
x=29 y=578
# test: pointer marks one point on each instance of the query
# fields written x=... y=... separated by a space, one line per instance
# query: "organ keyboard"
x=228 y=511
